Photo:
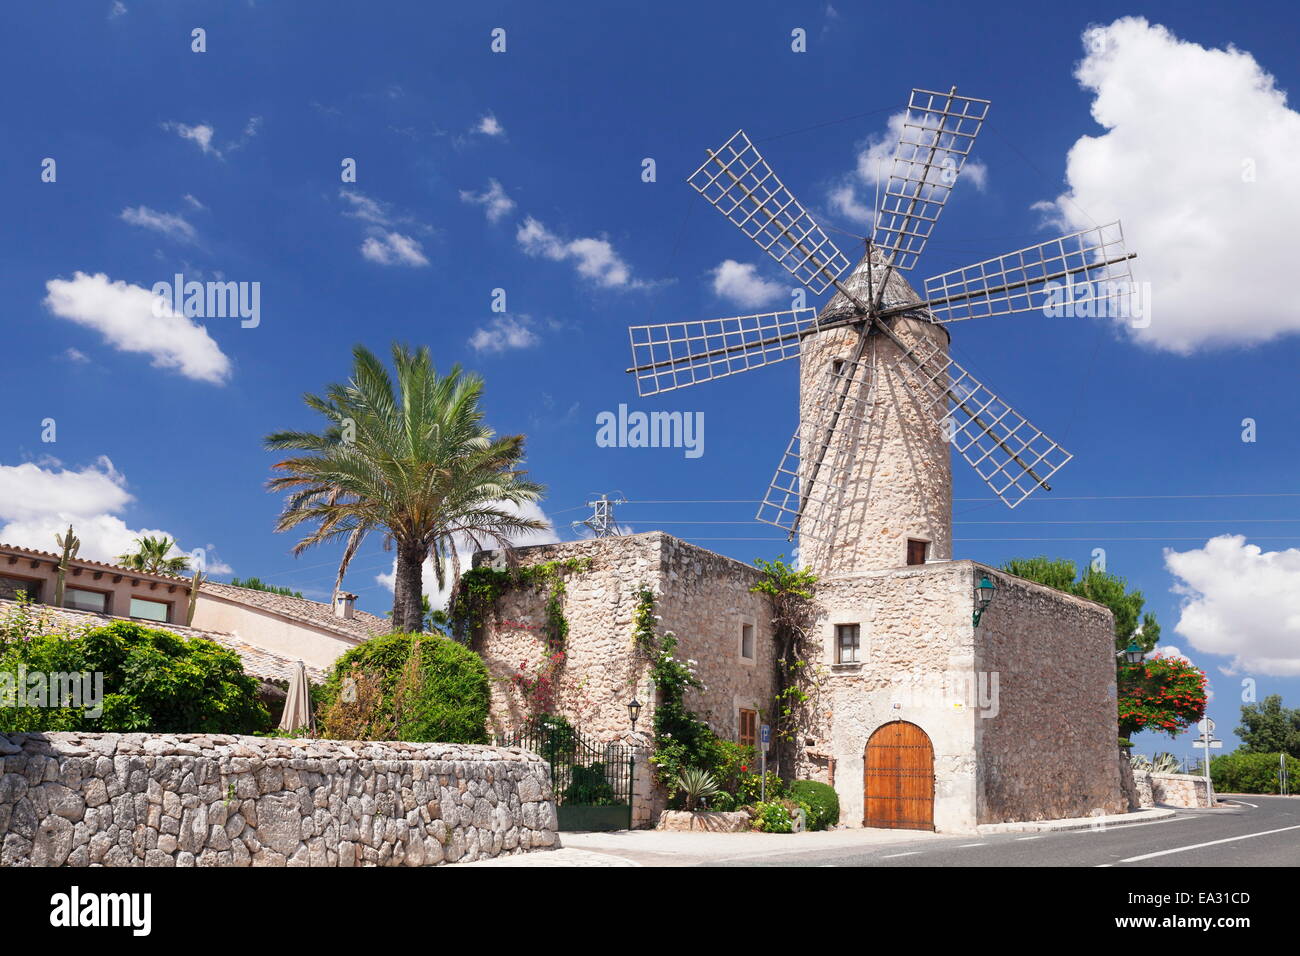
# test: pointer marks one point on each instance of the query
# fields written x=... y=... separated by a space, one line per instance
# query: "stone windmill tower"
x=865 y=482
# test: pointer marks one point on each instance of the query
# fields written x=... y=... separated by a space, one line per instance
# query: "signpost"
x=1208 y=742
x=765 y=737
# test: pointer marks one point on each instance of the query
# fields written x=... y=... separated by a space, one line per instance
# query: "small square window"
x=847 y=643
x=747 y=641
x=916 y=551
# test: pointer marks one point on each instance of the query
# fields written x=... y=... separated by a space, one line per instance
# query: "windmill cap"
x=898 y=291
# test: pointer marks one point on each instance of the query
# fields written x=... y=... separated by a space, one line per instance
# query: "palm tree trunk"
x=408 y=614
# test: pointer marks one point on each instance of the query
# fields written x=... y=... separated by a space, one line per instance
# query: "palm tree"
x=415 y=462
x=150 y=556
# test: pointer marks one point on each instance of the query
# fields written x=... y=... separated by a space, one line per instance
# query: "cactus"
x=70 y=544
x=195 y=583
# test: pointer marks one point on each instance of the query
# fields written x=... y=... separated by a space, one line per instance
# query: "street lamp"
x=984 y=592
x=634 y=711
x=1133 y=653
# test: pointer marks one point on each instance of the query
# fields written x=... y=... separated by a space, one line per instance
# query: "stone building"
x=923 y=714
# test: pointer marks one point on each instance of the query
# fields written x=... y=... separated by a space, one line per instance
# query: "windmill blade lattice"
x=806 y=492
x=1089 y=265
x=938 y=132
x=740 y=184
x=1013 y=457
x=678 y=354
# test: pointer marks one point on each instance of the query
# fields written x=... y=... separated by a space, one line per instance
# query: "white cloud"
x=200 y=135
x=438 y=597
x=853 y=195
x=125 y=315
x=490 y=126
x=1182 y=123
x=394 y=249
x=494 y=200
x=203 y=135
x=169 y=224
x=503 y=333
x=117 y=10
x=594 y=259
x=193 y=201
x=739 y=282
x=1240 y=601
x=37 y=503
x=76 y=356
x=384 y=244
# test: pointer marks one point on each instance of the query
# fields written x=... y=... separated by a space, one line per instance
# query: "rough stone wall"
x=700 y=596
x=1180 y=790
x=208 y=800
x=916 y=642
x=886 y=477
x=1049 y=752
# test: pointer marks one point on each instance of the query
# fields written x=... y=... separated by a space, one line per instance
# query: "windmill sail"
x=938 y=132
x=740 y=184
x=804 y=496
x=1013 y=457
x=1090 y=266
x=677 y=354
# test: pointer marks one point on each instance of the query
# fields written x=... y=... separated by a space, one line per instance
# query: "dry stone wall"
x=208 y=800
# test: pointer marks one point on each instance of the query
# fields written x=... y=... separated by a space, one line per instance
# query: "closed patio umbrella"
x=297 y=706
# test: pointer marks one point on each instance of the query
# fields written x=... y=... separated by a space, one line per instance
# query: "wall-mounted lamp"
x=984 y=592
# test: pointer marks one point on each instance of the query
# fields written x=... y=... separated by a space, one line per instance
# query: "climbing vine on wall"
x=790 y=590
x=478 y=590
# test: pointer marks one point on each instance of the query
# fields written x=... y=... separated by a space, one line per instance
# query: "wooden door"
x=898 y=778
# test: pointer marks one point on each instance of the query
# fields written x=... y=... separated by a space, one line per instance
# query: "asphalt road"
x=1256 y=831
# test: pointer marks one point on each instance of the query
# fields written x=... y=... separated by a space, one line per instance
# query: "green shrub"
x=154 y=681
x=772 y=818
x=415 y=687
x=822 y=801
x=1241 y=772
x=590 y=786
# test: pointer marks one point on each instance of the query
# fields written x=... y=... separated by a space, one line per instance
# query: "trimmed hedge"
x=444 y=700
x=154 y=681
x=1241 y=772
x=822 y=801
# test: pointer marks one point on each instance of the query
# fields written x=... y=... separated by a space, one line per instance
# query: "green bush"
x=590 y=786
x=772 y=818
x=154 y=681
x=1241 y=772
x=415 y=687
x=822 y=801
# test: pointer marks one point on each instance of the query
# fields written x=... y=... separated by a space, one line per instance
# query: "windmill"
x=865 y=479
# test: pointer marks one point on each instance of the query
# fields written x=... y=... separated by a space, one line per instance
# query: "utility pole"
x=601 y=522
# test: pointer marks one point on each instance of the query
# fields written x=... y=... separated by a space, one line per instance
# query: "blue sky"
x=226 y=164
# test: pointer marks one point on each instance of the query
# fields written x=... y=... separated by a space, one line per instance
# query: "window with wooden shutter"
x=847 y=643
x=916 y=551
x=748 y=727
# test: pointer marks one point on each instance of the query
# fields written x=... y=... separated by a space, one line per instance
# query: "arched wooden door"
x=898 y=778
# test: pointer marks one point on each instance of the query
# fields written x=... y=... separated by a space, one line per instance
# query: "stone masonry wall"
x=702 y=597
x=1049 y=751
x=914 y=626
x=209 y=800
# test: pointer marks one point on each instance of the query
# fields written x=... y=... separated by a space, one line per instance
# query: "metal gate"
x=898 y=778
x=592 y=781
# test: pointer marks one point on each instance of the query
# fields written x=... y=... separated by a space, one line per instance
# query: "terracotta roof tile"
x=361 y=627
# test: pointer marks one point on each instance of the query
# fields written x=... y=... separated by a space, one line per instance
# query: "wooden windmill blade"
x=939 y=130
x=804 y=495
x=740 y=184
x=1014 y=457
x=1092 y=265
x=678 y=354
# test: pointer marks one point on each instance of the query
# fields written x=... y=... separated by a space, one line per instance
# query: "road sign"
x=766 y=735
x=1206 y=725
x=1214 y=744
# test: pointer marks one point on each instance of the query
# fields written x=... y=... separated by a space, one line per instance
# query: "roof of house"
x=258 y=662
x=115 y=568
x=360 y=627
